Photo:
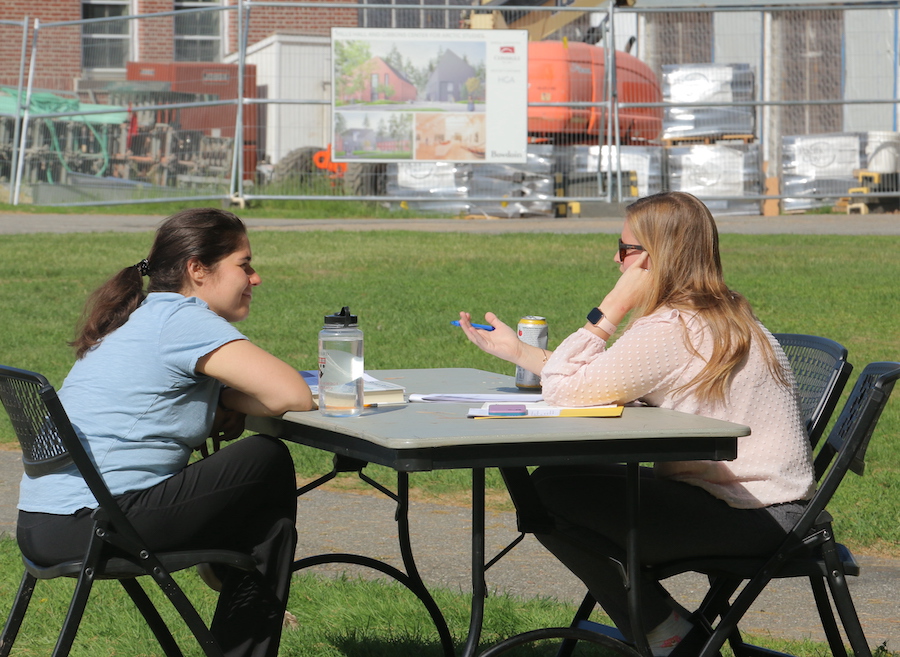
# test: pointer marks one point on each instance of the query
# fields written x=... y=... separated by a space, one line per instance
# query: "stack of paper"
x=475 y=398
x=542 y=409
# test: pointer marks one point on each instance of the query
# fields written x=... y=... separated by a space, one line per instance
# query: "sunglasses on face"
x=625 y=248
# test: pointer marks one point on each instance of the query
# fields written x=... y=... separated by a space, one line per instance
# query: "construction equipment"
x=861 y=200
x=571 y=72
x=538 y=24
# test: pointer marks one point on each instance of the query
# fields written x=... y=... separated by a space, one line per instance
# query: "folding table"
x=423 y=436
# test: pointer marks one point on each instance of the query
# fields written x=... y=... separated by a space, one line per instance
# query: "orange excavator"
x=571 y=72
x=564 y=71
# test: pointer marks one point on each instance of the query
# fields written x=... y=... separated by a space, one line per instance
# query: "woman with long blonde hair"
x=691 y=345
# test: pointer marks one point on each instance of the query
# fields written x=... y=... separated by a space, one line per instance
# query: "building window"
x=105 y=44
x=389 y=16
x=198 y=35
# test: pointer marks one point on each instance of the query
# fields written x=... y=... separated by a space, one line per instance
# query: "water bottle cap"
x=343 y=318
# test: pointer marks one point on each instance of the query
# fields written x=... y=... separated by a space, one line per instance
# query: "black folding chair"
x=810 y=550
x=115 y=550
x=821 y=371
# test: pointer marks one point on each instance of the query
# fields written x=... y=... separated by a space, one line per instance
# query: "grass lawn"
x=406 y=287
x=343 y=616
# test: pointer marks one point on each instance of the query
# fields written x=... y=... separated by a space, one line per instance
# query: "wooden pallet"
x=842 y=204
x=694 y=140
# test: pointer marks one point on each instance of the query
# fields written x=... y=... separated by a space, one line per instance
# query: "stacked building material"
x=689 y=86
x=721 y=174
x=819 y=169
x=646 y=163
x=456 y=188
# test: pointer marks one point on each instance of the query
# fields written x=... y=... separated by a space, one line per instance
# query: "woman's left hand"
x=629 y=289
x=227 y=425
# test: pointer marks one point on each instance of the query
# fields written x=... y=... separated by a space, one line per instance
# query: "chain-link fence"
x=755 y=110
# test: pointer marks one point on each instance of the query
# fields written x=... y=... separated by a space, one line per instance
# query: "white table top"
x=433 y=425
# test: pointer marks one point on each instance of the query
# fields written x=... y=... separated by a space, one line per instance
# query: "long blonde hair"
x=679 y=233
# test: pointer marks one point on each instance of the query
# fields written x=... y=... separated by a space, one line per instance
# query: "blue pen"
x=483 y=327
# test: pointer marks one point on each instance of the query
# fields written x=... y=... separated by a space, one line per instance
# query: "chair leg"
x=151 y=615
x=17 y=613
x=715 y=604
x=584 y=612
x=840 y=592
x=829 y=625
x=76 y=612
x=188 y=612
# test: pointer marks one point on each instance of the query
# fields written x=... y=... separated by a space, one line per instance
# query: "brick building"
x=88 y=55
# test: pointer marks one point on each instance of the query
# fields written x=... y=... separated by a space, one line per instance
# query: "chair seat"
x=746 y=568
x=121 y=568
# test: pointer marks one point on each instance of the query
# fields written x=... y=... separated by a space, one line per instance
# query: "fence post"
x=20 y=164
x=614 y=100
x=237 y=168
x=13 y=168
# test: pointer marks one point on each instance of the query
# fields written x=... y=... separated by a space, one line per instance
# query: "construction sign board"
x=429 y=95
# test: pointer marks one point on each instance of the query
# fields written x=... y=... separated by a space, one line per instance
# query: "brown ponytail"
x=207 y=234
x=108 y=308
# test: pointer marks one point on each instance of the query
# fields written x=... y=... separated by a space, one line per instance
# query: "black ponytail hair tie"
x=143 y=267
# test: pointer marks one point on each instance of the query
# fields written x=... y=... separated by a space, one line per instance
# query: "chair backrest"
x=43 y=449
x=821 y=371
x=48 y=440
x=845 y=449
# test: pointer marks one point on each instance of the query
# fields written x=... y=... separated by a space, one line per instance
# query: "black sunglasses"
x=625 y=248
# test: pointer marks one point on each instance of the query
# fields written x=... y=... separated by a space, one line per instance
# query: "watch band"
x=598 y=319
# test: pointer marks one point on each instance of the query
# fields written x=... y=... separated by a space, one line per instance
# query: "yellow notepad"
x=493 y=410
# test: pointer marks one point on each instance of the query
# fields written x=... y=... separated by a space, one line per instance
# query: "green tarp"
x=43 y=102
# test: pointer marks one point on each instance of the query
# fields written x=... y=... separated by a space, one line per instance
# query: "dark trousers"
x=242 y=497
x=677 y=521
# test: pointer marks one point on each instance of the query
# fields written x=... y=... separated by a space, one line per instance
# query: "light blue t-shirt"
x=137 y=403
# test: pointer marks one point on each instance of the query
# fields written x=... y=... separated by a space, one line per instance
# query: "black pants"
x=243 y=498
x=677 y=521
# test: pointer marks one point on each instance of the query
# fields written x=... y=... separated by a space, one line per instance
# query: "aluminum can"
x=531 y=330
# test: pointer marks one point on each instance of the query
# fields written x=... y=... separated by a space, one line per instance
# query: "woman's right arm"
x=257 y=382
x=503 y=343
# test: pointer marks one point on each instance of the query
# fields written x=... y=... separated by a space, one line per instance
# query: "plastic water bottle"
x=341 y=365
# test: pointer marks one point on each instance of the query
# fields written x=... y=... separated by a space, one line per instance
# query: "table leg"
x=409 y=563
x=633 y=559
x=479 y=587
x=411 y=579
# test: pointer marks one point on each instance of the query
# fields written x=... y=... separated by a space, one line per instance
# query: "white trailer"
x=295 y=70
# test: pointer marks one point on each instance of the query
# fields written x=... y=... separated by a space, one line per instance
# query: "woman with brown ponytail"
x=694 y=346
x=157 y=372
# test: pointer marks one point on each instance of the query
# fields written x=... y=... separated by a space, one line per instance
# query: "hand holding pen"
x=498 y=339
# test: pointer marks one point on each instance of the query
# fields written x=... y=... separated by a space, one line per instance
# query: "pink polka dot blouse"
x=651 y=360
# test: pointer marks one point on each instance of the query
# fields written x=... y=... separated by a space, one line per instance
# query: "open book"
x=375 y=391
x=542 y=409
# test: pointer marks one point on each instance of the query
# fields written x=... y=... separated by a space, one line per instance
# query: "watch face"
x=595 y=316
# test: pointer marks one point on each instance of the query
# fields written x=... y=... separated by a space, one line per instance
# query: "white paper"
x=534 y=409
x=473 y=398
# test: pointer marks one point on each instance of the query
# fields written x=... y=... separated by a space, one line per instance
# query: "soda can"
x=531 y=330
